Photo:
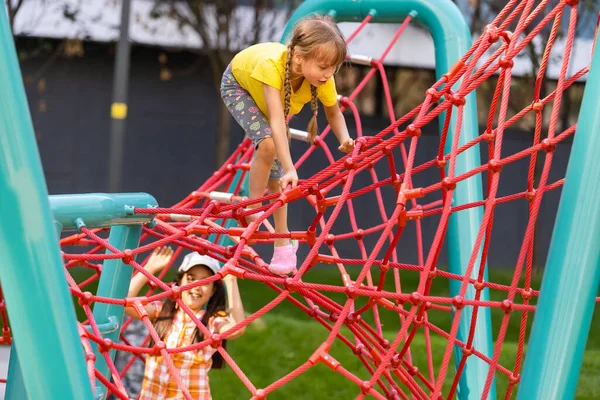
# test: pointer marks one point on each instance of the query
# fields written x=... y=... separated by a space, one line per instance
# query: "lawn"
x=286 y=337
x=278 y=345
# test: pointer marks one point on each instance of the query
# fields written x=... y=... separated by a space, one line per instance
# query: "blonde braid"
x=288 y=90
x=312 y=124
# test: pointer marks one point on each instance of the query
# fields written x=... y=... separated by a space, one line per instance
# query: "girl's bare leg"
x=280 y=215
x=260 y=169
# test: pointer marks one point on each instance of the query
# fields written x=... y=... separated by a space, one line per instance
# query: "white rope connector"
x=299 y=135
x=180 y=217
x=221 y=196
x=361 y=60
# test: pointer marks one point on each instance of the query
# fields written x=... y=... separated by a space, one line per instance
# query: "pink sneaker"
x=284 y=259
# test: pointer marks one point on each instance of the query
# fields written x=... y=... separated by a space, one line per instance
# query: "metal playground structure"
x=54 y=356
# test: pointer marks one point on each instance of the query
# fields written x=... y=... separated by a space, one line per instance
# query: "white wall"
x=98 y=20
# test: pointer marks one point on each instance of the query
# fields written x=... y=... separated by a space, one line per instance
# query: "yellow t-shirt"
x=265 y=63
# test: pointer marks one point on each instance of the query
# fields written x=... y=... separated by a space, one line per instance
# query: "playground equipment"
x=48 y=362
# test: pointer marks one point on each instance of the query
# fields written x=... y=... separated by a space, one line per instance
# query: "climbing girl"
x=263 y=86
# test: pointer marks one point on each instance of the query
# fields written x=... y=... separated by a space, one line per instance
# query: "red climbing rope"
x=388 y=363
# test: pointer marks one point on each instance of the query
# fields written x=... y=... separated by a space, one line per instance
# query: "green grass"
x=255 y=295
x=286 y=337
x=277 y=345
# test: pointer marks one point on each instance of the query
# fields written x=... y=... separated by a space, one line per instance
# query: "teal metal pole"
x=97 y=210
x=568 y=295
x=114 y=283
x=40 y=308
x=15 y=385
x=100 y=210
x=452 y=40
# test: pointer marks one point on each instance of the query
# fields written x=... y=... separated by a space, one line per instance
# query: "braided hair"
x=313 y=37
x=288 y=88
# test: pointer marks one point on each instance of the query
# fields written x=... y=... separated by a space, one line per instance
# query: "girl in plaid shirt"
x=177 y=329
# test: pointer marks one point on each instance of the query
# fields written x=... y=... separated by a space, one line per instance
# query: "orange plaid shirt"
x=192 y=366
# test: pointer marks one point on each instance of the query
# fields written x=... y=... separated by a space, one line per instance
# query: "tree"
x=224 y=27
x=13 y=7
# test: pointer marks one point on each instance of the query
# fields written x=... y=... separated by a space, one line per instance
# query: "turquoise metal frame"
x=30 y=264
x=30 y=259
x=452 y=40
x=570 y=285
x=114 y=283
x=94 y=211
x=101 y=210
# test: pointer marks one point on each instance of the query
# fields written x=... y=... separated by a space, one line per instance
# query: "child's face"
x=198 y=296
x=316 y=71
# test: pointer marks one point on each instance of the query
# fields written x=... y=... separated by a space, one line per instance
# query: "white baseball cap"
x=193 y=259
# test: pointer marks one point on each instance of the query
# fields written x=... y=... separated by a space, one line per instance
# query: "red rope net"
x=388 y=362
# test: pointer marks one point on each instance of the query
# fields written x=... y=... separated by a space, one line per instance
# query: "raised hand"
x=159 y=259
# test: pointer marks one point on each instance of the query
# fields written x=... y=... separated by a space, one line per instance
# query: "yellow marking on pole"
x=118 y=110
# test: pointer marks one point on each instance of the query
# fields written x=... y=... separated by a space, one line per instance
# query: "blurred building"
x=98 y=21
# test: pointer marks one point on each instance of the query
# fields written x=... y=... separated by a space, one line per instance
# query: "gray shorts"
x=247 y=114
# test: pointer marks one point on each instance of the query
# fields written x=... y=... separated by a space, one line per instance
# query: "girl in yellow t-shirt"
x=266 y=83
